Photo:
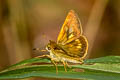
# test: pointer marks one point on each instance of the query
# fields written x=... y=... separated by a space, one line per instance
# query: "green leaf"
x=107 y=59
x=25 y=62
x=104 y=68
x=30 y=61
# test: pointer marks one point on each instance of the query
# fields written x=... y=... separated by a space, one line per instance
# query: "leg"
x=43 y=56
x=67 y=65
x=64 y=65
x=55 y=65
x=81 y=61
x=52 y=60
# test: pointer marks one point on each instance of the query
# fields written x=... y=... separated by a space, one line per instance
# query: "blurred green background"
x=28 y=24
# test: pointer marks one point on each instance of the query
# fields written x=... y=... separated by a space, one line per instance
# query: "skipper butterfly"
x=71 y=45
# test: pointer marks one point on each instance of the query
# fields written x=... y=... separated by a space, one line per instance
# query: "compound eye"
x=49 y=48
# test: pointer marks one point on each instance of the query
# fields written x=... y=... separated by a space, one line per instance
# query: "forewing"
x=70 y=30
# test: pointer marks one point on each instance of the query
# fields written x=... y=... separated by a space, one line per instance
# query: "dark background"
x=27 y=24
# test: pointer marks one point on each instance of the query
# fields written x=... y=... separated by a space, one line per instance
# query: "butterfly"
x=71 y=45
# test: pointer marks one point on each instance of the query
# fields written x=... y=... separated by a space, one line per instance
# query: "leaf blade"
x=99 y=68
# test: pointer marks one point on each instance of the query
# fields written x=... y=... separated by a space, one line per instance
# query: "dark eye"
x=55 y=48
x=49 y=48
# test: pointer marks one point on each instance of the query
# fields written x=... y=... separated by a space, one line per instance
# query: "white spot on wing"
x=78 y=46
x=71 y=36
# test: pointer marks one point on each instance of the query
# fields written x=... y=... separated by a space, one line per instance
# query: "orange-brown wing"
x=70 y=30
x=76 y=48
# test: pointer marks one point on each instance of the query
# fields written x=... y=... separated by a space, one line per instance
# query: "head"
x=51 y=46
